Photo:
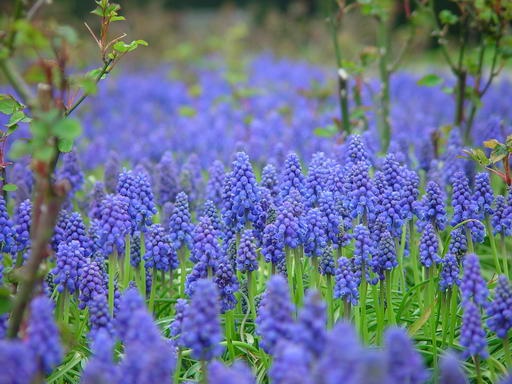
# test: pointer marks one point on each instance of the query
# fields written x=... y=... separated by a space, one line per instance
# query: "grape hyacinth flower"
x=288 y=225
x=22 y=223
x=70 y=260
x=314 y=236
x=201 y=329
x=17 y=362
x=215 y=183
x=180 y=224
x=274 y=321
x=317 y=179
x=405 y=364
x=450 y=270
x=429 y=247
x=458 y=242
x=450 y=370
x=291 y=365
x=75 y=230
x=205 y=244
x=472 y=334
x=464 y=208
x=99 y=315
x=227 y=285
x=71 y=171
x=310 y=330
x=136 y=187
x=43 y=335
x=167 y=179
x=385 y=256
x=326 y=266
x=176 y=324
x=210 y=211
x=130 y=302
x=483 y=195
x=336 y=228
x=272 y=247
x=95 y=198
x=270 y=180
x=346 y=285
x=101 y=367
x=500 y=310
x=360 y=193
x=112 y=170
x=114 y=224
x=7 y=234
x=431 y=209
x=247 y=259
x=191 y=180
x=356 y=151
x=501 y=220
x=165 y=215
x=363 y=248
x=91 y=282
x=473 y=286
x=238 y=373
x=292 y=177
x=160 y=254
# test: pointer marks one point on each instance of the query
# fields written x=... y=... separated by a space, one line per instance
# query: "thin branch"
x=93 y=35
x=33 y=10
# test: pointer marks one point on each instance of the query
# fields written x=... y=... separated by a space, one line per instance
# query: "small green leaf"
x=491 y=143
x=187 y=111
x=447 y=17
x=5 y=300
x=328 y=131
x=65 y=145
x=68 y=129
x=9 y=105
x=430 y=80
x=10 y=187
x=17 y=117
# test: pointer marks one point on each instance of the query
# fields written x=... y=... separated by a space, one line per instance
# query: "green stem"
x=389 y=304
x=230 y=334
x=471 y=247
x=183 y=270
x=504 y=254
x=453 y=315
x=506 y=349
x=384 y=72
x=478 y=370
x=177 y=371
x=251 y=292
x=362 y=307
x=379 y=304
x=329 y=299
x=299 y=277
x=492 y=241
x=444 y=309
x=142 y=266
x=153 y=290
x=315 y=275
x=126 y=263
x=204 y=372
x=289 y=272
x=112 y=263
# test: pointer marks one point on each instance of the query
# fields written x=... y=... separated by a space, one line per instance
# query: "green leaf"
x=65 y=145
x=328 y=131
x=123 y=47
x=10 y=187
x=447 y=17
x=9 y=105
x=5 y=300
x=187 y=111
x=68 y=129
x=430 y=80
x=17 y=117
x=491 y=143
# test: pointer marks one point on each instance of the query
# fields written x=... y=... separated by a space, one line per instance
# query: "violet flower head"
x=432 y=209
x=210 y=211
x=473 y=286
x=165 y=215
x=363 y=247
x=7 y=233
x=336 y=229
x=177 y=322
x=238 y=373
x=291 y=365
x=472 y=334
x=180 y=224
x=465 y=208
x=17 y=361
x=410 y=193
x=245 y=193
x=101 y=367
x=247 y=258
x=385 y=257
x=483 y=195
x=59 y=234
x=292 y=177
x=114 y=224
x=458 y=242
x=96 y=196
x=201 y=330
x=310 y=330
x=191 y=180
x=215 y=183
x=91 y=282
x=500 y=310
x=130 y=302
x=99 y=316
x=43 y=335
x=356 y=152
x=274 y=320
x=501 y=220
x=75 y=230
x=272 y=247
x=206 y=245
x=360 y=193
x=227 y=285
x=405 y=364
x=327 y=267
x=160 y=254
x=451 y=371
x=167 y=178
x=346 y=286
x=270 y=180
x=429 y=247
x=449 y=276
x=70 y=260
x=22 y=223
x=71 y=171
x=314 y=235
x=317 y=179
x=136 y=187
x=135 y=250
x=112 y=170
x=288 y=225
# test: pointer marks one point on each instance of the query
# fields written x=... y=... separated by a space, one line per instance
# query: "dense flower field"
x=217 y=231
